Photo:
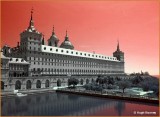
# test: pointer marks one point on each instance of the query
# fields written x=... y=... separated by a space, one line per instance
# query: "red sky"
x=92 y=26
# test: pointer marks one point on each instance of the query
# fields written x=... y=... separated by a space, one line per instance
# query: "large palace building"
x=57 y=59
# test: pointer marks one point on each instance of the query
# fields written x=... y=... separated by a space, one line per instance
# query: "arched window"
x=38 y=84
x=87 y=81
x=58 y=82
x=28 y=84
x=18 y=85
x=92 y=80
x=81 y=81
x=47 y=83
x=14 y=74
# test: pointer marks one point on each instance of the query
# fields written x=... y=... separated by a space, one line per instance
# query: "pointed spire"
x=31 y=13
x=66 y=38
x=53 y=33
x=31 y=23
x=66 y=34
x=118 y=46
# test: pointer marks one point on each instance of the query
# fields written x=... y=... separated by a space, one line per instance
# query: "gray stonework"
x=12 y=82
x=52 y=62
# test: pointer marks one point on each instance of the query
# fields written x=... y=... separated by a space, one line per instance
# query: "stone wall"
x=20 y=83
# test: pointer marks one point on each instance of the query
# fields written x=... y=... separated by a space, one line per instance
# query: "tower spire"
x=31 y=13
x=118 y=46
x=66 y=38
x=31 y=23
x=53 y=33
x=66 y=34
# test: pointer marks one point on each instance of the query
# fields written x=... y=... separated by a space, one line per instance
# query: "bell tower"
x=30 y=39
x=119 y=54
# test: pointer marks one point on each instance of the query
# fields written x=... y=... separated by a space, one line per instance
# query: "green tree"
x=111 y=81
x=146 y=73
x=124 y=84
x=73 y=81
x=136 y=80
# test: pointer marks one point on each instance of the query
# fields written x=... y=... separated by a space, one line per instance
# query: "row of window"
x=11 y=59
x=77 y=65
x=47 y=58
x=35 y=49
x=72 y=70
x=80 y=53
x=4 y=65
x=35 y=43
x=33 y=38
x=18 y=67
x=70 y=60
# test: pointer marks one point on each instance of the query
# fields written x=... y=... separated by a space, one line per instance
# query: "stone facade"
x=57 y=63
x=18 y=67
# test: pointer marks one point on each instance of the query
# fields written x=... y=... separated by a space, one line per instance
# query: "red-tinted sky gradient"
x=93 y=26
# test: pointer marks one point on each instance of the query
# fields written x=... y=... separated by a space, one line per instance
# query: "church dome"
x=66 y=43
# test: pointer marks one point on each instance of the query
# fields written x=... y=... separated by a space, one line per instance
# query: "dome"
x=53 y=37
x=67 y=44
x=53 y=40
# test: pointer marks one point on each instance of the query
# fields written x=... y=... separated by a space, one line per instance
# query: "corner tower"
x=119 y=54
x=30 y=38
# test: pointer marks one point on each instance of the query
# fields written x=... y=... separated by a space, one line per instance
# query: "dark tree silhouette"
x=73 y=81
x=123 y=85
x=136 y=80
x=111 y=81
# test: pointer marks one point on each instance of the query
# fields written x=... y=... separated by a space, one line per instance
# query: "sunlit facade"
x=52 y=59
x=55 y=63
